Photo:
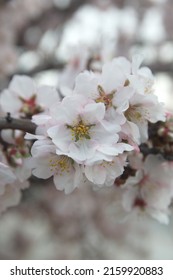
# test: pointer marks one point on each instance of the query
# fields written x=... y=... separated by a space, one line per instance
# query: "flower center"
x=132 y=113
x=139 y=202
x=105 y=98
x=80 y=131
x=59 y=164
x=29 y=106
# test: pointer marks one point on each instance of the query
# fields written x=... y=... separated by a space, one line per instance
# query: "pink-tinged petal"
x=23 y=86
x=42 y=172
x=29 y=136
x=10 y=198
x=81 y=151
x=22 y=173
x=108 y=150
x=86 y=84
x=42 y=147
x=41 y=119
x=114 y=150
x=73 y=105
x=96 y=174
x=64 y=181
x=10 y=102
x=123 y=64
x=122 y=97
x=136 y=62
x=143 y=130
x=6 y=174
x=156 y=196
x=112 y=77
x=98 y=158
x=129 y=196
x=78 y=175
x=146 y=72
x=47 y=96
x=42 y=169
x=57 y=113
x=61 y=136
x=130 y=131
x=113 y=116
x=136 y=83
x=65 y=91
x=103 y=136
x=93 y=113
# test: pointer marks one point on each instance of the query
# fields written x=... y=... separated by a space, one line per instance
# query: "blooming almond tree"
x=109 y=130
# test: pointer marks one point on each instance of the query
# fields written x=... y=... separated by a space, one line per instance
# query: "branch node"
x=8 y=118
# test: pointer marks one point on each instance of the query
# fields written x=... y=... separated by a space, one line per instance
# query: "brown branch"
x=20 y=124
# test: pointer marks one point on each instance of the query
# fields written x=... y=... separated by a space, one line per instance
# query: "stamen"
x=59 y=164
x=105 y=98
x=80 y=131
x=29 y=106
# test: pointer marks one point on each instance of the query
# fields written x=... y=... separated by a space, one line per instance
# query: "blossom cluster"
x=91 y=135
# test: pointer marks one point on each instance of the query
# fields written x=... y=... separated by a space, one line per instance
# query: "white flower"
x=12 y=195
x=144 y=109
x=7 y=176
x=109 y=87
x=104 y=173
x=150 y=190
x=81 y=131
x=46 y=163
x=18 y=160
x=26 y=99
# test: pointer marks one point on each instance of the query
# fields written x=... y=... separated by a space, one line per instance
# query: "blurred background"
x=53 y=41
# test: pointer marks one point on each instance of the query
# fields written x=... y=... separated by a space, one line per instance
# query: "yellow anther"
x=60 y=164
x=80 y=131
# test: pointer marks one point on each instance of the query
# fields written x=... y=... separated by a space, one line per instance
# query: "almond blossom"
x=26 y=98
x=12 y=181
x=127 y=89
x=11 y=195
x=82 y=132
x=143 y=109
x=104 y=173
x=150 y=190
x=109 y=87
x=6 y=176
x=67 y=174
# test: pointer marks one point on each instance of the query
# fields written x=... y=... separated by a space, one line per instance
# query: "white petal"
x=93 y=113
x=10 y=102
x=65 y=182
x=47 y=96
x=29 y=136
x=95 y=174
x=112 y=77
x=81 y=151
x=23 y=86
x=42 y=172
x=136 y=62
x=86 y=84
x=61 y=137
x=41 y=119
